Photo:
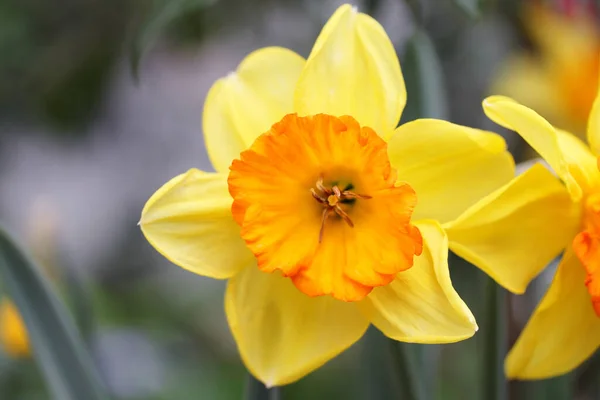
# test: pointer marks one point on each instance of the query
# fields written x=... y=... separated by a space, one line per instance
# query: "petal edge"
x=566 y=317
x=353 y=70
x=497 y=234
x=399 y=310
x=442 y=161
x=283 y=334
x=188 y=220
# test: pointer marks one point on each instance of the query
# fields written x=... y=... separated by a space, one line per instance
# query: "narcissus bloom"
x=559 y=78
x=310 y=213
x=13 y=334
x=532 y=220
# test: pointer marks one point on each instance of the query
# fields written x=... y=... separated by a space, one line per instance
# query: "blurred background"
x=101 y=103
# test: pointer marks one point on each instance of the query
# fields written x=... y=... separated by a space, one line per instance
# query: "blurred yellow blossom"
x=559 y=78
x=310 y=212
x=13 y=335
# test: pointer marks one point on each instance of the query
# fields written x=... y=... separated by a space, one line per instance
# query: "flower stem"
x=495 y=337
x=554 y=389
x=407 y=370
x=275 y=393
x=256 y=390
x=588 y=380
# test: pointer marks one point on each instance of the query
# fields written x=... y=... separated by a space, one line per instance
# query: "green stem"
x=558 y=388
x=275 y=393
x=256 y=390
x=494 y=383
x=407 y=370
x=588 y=381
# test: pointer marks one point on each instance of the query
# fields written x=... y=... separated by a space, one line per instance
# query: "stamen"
x=317 y=197
x=351 y=195
x=320 y=185
x=344 y=216
x=332 y=200
x=324 y=216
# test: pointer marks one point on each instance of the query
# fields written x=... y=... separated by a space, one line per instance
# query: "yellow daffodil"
x=310 y=213
x=13 y=335
x=532 y=220
x=559 y=78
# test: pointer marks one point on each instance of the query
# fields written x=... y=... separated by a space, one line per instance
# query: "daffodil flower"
x=559 y=80
x=310 y=213
x=532 y=220
x=13 y=334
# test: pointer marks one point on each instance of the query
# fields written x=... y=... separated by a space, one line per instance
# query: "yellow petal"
x=245 y=103
x=353 y=70
x=581 y=163
x=189 y=221
x=513 y=233
x=563 y=330
x=13 y=334
x=449 y=166
x=420 y=305
x=541 y=136
x=593 y=128
x=283 y=334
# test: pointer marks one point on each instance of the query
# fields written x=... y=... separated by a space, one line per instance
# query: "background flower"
x=559 y=76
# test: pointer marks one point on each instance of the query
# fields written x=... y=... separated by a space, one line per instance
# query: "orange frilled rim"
x=586 y=246
x=317 y=199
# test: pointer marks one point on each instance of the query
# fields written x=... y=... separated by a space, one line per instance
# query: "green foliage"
x=161 y=15
x=470 y=7
x=56 y=58
x=65 y=364
x=424 y=80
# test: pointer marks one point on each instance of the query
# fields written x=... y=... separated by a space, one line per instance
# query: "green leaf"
x=470 y=7
x=66 y=366
x=424 y=80
x=558 y=388
x=407 y=369
x=162 y=14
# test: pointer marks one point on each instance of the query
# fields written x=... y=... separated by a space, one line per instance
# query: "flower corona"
x=586 y=246
x=356 y=235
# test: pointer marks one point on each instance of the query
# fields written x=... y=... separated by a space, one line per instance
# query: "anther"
x=332 y=199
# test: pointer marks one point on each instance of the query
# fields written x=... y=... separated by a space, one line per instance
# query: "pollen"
x=317 y=200
x=332 y=200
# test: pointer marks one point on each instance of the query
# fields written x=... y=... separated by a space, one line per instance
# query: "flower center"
x=332 y=200
x=587 y=247
x=336 y=243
